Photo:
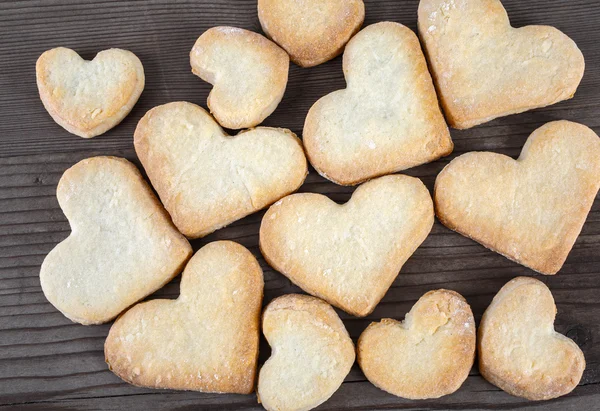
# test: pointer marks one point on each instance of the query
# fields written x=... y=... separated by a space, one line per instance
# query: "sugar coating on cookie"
x=311 y=353
x=428 y=355
x=387 y=119
x=348 y=254
x=518 y=349
x=205 y=340
x=207 y=179
x=484 y=68
x=532 y=209
x=311 y=31
x=248 y=71
x=88 y=98
x=122 y=246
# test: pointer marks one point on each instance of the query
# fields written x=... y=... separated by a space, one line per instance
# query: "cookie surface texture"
x=484 y=68
x=311 y=31
x=205 y=340
x=387 y=119
x=530 y=210
x=348 y=254
x=122 y=247
x=518 y=349
x=311 y=353
x=207 y=179
x=427 y=355
x=248 y=71
x=88 y=98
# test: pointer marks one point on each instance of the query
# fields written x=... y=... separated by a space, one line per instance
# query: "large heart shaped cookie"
x=248 y=71
x=519 y=351
x=207 y=179
x=530 y=210
x=207 y=339
x=348 y=254
x=311 y=31
x=427 y=355
x=88 y=98
x=484 y=68
x=311 y=354
x=122 y=247
x=387 y=120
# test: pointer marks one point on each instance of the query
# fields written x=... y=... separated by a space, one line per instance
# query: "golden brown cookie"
x=484 y=68
x=428 y=355
x=518 y=349
x=205 y=340
x=530 y=210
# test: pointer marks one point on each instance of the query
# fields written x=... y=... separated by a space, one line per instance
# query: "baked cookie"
x=249 y=74
x=518 y=349
x=348 y=254
x=484 y=68
x=88 y=98
x=530 y=210
x=207 y=339
x=207 y=179
x=386 y=120
x=311 y=31
x=122 y=246
x=428 y=355
x=311 y=353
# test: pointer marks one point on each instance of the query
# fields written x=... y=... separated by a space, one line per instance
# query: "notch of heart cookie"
x=428 y=355
x=519 y=351
x=207 y=179
x=348 y=254
x=484 y=68
x=311 y=353
x=530 y=210
x=122 y=247
x=387 y=119
x=311 y=31
x=88 y=98
x=249 y=74
x=207 y=339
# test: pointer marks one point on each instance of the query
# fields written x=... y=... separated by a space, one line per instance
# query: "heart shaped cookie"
x=88 y=98
x=249 y=74
x=311 y=31
x=207 y=179
x=207 y=339
x=530 y=210
x=519 y=351
x=311 y=354
x=348 y=254
x=122 y=247
x=484 y=68
x=427 y=355
x=387 y=120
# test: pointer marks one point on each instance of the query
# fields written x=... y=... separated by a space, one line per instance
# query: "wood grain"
x=47 y=362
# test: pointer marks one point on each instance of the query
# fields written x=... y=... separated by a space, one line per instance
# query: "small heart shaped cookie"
x=122 y=247
x=207 y=339
x=484 y=68
x=530 y=210
x=207 y=179
x=249 y=74
x=88 y=98
x=519 y=351
x=348 y=254
x=311 y=354
x=386 y=120
x=311 y=31
x=427 y=355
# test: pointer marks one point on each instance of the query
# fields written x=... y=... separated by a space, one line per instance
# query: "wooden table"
x=48 y=362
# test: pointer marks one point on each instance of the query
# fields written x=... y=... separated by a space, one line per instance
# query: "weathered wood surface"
x=47 y=362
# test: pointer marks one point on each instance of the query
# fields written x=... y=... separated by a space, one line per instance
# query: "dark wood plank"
x=47 y=362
